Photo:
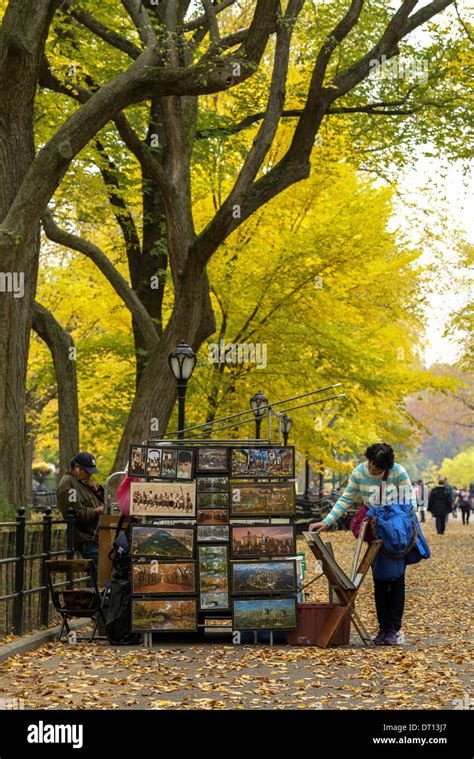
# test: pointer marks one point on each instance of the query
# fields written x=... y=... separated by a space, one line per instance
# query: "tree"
x=164 y=70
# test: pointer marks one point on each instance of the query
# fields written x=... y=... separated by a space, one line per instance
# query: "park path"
x=430 y=671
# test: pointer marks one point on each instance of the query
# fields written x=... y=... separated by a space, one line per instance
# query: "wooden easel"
x=345 y=588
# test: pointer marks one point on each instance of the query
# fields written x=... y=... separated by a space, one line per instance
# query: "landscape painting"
x=212 y=484
x=263 y=499
x=269 y=461
x=264 y=577
x=164 y=615
x=213 y=516
x=212 y=534
x=163 y=542
x=213 y=499
x=213 y=577
x=264 y=540
x=264 y=614
x=163 y=499
x=164 y=578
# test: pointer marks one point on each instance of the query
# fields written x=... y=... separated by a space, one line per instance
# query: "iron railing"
x=25 y=545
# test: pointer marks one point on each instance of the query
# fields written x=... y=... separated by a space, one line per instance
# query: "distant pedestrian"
x=463 y=501
x=419 y=489
x=440 y=505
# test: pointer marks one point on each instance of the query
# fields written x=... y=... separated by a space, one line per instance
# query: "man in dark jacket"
x=78 y=489
x=440 y=505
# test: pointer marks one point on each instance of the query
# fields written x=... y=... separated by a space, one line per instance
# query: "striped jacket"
x=365 y=488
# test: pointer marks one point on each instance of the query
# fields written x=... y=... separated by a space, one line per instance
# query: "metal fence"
x=25 y=545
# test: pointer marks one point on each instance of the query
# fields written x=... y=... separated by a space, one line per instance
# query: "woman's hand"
x=318 y=526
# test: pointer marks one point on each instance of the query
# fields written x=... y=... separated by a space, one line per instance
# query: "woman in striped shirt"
x=366 y=485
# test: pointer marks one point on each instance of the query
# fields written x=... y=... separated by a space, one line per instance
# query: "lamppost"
x=257 y=404
x=182 y=362
x=286 y=424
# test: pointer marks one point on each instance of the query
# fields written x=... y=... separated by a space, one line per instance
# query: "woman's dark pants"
x=390 y=602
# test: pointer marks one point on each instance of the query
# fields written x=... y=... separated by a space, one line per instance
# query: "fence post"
x=19 y=571
x=47 y=518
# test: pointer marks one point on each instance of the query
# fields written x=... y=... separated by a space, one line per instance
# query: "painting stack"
x=215 y=537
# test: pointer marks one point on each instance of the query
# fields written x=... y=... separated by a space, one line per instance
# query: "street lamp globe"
x=182 y=362
x=286 y=424
x=257 y=404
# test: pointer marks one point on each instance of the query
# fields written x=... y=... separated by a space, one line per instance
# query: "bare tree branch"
x=210 y=12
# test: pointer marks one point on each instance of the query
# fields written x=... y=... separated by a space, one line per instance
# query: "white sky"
x=436 y=189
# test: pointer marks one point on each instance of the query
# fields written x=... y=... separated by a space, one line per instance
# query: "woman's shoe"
x=393 y=638
x=380 y=637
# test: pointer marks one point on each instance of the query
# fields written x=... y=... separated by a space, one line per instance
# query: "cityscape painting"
x=263 y=577
x=263 y=462
x=262 y=499
x=264 y=614
x=264 y=540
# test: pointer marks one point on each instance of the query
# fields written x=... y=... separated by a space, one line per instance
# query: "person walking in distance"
x=440 y=505
x=464 y=502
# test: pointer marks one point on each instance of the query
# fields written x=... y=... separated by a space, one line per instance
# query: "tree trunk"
x=24 y=29
x=61 y=345
x=192 y=321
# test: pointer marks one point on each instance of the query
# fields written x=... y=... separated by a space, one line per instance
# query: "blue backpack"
x=403 y=542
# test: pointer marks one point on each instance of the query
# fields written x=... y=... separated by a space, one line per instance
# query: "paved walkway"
x=428 y=672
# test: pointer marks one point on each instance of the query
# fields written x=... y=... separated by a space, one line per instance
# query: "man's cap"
x=86 y=461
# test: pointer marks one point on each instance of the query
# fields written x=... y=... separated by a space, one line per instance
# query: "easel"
x=345 y=588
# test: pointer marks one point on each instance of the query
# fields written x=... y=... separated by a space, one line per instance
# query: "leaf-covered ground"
x=429 y=671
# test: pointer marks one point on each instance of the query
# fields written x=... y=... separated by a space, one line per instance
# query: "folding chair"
x=75 y=602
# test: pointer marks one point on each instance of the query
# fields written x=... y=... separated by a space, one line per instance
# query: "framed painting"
x=258 y=577
x=262 y=461
x=163 y=499
x=137 y=461
x=153 y=463
x=169 y=466
x=263 y=540
x=164 y=615
x=212 y=534
x=210 y=500
x=213 y=577
x=213 y=516
x=262 y=499
x=213 y=484
x=162 y=542
x=185 y=460
x=164 y=578
x=213 y=459
x=264 y=614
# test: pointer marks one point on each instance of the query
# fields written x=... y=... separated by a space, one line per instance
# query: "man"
x=366 y=486
x=78 y=489
x=440 y=505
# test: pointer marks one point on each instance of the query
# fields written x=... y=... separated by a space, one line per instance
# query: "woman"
x=377 y=482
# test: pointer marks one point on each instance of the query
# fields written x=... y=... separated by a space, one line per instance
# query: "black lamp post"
x=182 y=362
x=257 y=404
x=286 y=424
